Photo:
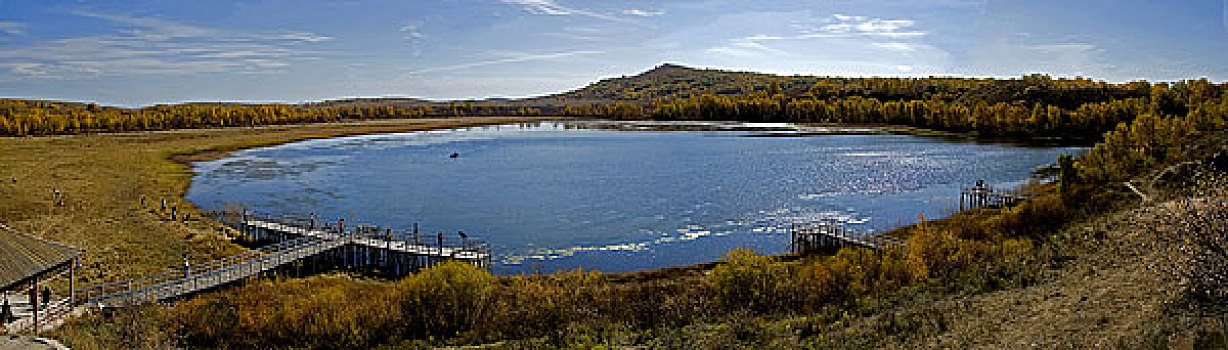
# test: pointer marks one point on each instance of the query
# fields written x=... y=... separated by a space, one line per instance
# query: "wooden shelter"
x=26 y=261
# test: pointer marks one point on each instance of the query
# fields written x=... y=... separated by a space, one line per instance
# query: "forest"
x=1030 y=106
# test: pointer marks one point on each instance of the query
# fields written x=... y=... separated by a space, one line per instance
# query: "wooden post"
x=34 y=304
x=72 y=281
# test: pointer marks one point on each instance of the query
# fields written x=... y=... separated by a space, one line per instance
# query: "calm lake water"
x=549 y=197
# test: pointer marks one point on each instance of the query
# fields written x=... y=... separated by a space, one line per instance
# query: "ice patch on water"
x=770 y=222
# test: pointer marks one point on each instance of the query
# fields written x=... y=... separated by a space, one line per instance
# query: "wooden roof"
x=23 y=256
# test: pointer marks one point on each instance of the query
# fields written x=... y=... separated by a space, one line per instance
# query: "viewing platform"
x=832 y=235
x=984 y=195
x=296 y=245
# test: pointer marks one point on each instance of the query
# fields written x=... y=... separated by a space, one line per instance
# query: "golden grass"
x=103 y=177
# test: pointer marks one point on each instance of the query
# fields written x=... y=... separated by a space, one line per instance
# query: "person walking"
x=46 y=298
x=187 y=266
x=6 y=310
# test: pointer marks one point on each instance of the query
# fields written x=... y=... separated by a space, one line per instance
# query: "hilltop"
x=675 y=81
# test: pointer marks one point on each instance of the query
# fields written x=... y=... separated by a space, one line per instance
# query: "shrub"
x=746 y=280
x=446 y=299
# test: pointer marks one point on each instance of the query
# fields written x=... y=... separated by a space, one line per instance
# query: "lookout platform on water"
x=297 y=245
x=831 y=235
x=983 y=195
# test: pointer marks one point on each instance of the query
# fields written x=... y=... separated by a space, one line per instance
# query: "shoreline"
x=140 y=240
x=221 y=151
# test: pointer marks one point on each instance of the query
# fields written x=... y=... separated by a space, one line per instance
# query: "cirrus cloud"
x=148 y=45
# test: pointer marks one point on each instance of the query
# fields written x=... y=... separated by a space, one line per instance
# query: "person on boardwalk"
x=6 y=310
x=441 y=239
x=46 y=297
x=187 y=267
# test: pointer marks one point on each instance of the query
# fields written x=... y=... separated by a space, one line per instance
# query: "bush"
x=748 y=281
x=446 y=299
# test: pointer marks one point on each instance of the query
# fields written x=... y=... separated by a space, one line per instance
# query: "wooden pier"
x=828 y=236
x=986 y=196
x=297 y=246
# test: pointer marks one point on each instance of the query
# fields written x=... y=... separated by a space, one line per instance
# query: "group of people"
x=174 y=209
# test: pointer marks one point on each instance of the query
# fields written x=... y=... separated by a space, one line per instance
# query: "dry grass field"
x=103 y=177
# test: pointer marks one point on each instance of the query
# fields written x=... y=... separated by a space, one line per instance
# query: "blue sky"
x=144 y=51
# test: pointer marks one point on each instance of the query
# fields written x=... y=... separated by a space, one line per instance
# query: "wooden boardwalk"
x=983 y=195
x=295 y=241
x=831 y=235
x=175 y=283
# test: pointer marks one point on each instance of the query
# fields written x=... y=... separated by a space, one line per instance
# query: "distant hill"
x=673 y=81
x=676 y=81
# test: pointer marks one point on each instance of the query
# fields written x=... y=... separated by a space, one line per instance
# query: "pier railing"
x=293 y=238
x=192 y=278
x=824 y=235
x=986 y=196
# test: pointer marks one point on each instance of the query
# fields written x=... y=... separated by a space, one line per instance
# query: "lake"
x=551 y=196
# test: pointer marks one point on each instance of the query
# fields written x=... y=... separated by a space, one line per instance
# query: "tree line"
x=1027 y=107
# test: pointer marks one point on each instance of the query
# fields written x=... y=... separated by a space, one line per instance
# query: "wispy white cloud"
x=146 y=45
x=412 y=30
x=898 y=46
x=1022 y=55
x=836 y=44
x=846 y=25
x=1225 y=20
x=749 y=46
x=301 y=37
x=891 y=34
x=149 y=26
x=12 y=28
x=552 y=7
x=642 y=13
x=512 y=58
